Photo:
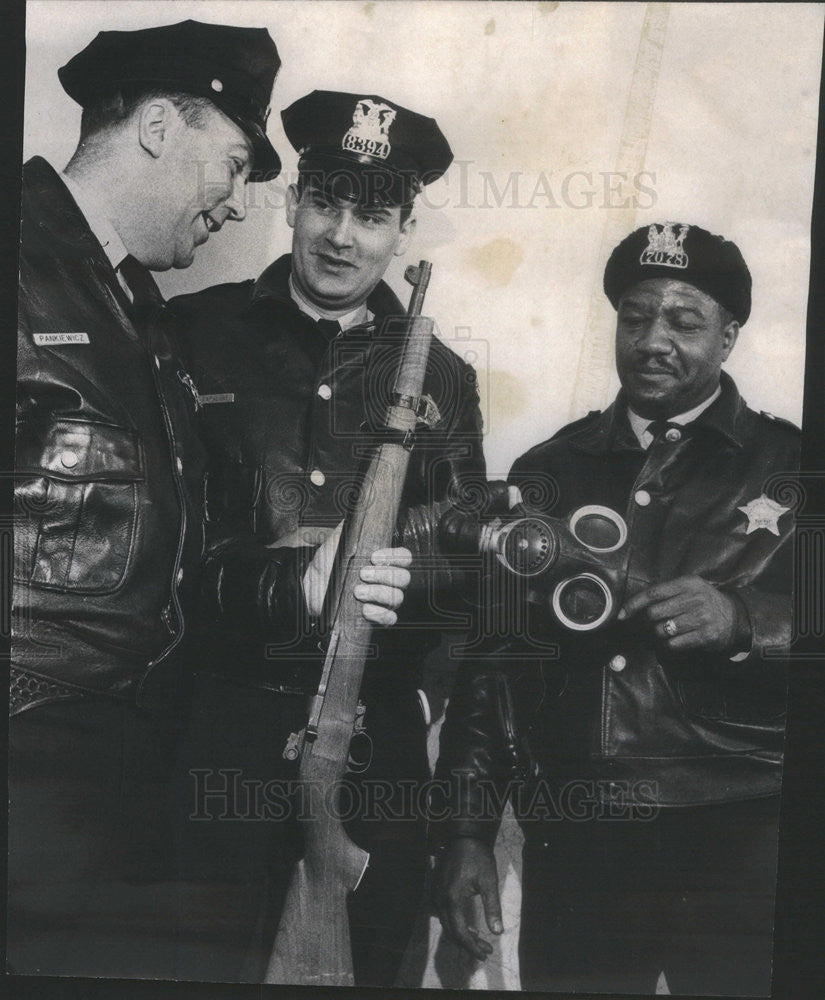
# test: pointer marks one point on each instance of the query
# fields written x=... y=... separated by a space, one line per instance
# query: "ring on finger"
x=671 y=628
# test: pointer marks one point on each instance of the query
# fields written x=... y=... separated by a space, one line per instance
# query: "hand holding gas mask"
x=575 y=568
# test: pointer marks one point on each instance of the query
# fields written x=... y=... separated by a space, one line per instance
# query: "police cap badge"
x=686 y=253
x=373 y=149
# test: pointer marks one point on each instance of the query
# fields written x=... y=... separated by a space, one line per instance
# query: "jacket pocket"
x=76 y=502
x=753 y=701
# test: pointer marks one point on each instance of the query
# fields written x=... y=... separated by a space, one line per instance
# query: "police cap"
x=686 y=253
x=365 y=147
x=234 y=67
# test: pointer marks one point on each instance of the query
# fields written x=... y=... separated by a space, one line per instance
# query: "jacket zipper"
x=175 y=601
x=520 y=767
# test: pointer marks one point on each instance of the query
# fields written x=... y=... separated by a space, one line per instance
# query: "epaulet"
x=228 y=290
x=779 y=421
x=576 y=425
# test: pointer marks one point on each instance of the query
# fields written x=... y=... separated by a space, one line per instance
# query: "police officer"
x=290 y=368
x=650 y=818
x=108 y=528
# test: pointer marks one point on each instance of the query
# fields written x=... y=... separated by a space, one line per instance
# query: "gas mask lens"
x=599 y=529
x=582 y=602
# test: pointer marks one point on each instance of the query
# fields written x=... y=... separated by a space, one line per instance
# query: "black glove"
x=453 y=527
x=444 y=540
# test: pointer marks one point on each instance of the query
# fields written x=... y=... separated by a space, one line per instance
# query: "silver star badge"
x=763 y=513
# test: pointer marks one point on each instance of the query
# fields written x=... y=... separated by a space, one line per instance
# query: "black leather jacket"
x=108 y=469
x=283 y=417
x=612 y=710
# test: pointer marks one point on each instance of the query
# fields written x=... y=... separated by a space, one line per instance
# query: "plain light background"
x=533 y=99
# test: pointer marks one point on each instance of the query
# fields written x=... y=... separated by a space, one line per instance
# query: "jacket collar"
x=727 y=413
x=97 y=220
x=611 y=430
x=273 y=286
x=60 y=223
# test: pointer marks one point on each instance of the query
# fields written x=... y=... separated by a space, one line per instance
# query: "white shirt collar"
x=640 y=424
x=99 y=223
x=352 y=318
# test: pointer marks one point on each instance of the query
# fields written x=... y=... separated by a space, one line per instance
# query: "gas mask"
x=575 y=568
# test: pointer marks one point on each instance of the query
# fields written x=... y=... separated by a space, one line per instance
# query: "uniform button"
x=324 y=392
x=157 y=361
x=642 y=498
x=317 y=478
x=180 y=575
x=618 y=663
x=68 y=459
x=217 y=86
x=179 y=465
x=673 y=434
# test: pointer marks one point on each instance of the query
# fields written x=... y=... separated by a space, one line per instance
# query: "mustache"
x=654 y=368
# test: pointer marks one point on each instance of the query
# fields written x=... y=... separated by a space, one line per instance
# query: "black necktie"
x=329 y=328
x=145 y=294
x=659 y=428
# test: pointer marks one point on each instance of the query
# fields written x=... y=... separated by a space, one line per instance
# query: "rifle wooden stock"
x=312 y=945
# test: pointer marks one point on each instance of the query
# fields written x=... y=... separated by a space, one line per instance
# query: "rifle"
x=312 y=944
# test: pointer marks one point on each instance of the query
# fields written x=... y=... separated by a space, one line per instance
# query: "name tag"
x=51 y=339
x=217 y=397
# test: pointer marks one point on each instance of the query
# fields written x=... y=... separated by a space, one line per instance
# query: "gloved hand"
x=460 y=526
x=453 y=527
x=443 y=537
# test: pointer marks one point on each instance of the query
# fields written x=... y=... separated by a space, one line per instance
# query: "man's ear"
x=154 y=122
x=292 y=199
x=729 y=335
x=404 y=237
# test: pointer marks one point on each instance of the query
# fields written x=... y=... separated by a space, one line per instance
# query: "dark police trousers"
x=608 y=905
x=94 y=886
x=241 y=826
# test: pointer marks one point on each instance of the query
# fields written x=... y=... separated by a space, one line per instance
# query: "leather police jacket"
x=288 y=416
x=108 y=529
x=612 y=716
